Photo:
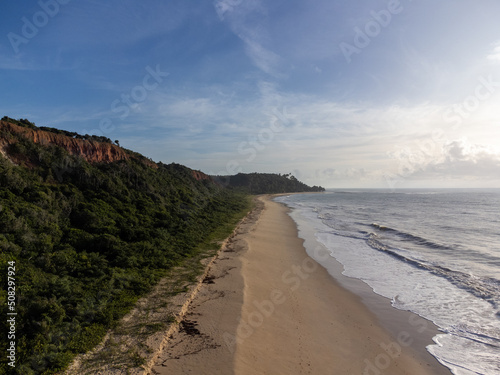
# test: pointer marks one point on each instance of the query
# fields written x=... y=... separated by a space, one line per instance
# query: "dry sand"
x=267 y=308
x=205 y=345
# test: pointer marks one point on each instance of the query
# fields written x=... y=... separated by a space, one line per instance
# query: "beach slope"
x=270 y=309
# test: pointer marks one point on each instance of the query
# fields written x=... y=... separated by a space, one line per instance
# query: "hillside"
x=90 y=148
x=91 y=227
x=267 y=183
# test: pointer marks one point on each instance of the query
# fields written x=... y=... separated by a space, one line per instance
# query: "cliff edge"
x=92 y=151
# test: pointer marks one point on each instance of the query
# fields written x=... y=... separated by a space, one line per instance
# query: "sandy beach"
x=268 y=308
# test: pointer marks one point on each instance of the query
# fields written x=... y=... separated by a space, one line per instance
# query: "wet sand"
x=265 y=307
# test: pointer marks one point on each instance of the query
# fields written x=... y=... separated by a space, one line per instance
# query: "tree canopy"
x=89 y=239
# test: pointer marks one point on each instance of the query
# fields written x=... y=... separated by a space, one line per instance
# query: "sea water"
x=433 y=252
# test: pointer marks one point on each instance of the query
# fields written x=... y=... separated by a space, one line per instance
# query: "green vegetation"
x=90 y=239
x=21 y=122
x=126 y=342
x=31 y=125
x=267 y=183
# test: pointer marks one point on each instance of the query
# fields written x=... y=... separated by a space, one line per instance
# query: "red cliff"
x=92 y=151
x=200 y=176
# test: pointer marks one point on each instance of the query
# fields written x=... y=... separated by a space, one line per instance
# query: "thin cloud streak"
x=241 y=16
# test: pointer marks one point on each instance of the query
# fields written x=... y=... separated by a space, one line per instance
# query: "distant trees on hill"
x=22 y=122
x=27 y=124
x=267 y=183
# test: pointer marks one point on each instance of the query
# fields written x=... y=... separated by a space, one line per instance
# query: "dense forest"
x=267 y=183
x=88 y=240
x=85 y=240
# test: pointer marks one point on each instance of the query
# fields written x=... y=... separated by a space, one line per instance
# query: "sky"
x=372 y=94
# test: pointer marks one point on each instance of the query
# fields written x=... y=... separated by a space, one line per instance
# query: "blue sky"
x=343 y=94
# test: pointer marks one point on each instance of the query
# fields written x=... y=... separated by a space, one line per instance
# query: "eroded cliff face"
x=91 y=151
x=200 y=176
x=2 y=152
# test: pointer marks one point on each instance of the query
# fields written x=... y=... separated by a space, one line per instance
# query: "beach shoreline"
x=271 y=309
x=395 y=321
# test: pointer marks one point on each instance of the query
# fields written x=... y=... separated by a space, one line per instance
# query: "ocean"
x=432 y=252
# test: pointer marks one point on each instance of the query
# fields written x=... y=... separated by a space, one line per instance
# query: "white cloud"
x=245 y=18
x=495 y=54
x=464 y=159
x=264 y=59
x=459 y=160
x=330 y=143
x=190 y=108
